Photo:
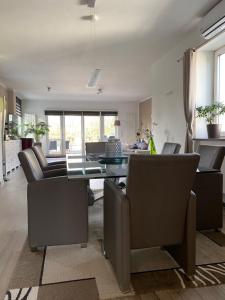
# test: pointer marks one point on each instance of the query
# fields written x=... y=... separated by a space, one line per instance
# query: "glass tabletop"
x=207 y=170
x=82 y=167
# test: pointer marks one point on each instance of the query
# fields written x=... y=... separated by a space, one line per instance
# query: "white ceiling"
x=214 y=44
x=47 y=43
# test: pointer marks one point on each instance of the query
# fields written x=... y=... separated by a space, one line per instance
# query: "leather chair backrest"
x=98 y=147
x=211 y=156
x=171 y=148
x=40 y=156
x=158 y=191
x=30 y=165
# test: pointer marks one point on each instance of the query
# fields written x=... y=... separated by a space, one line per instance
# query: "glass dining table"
x=85 y=167
x=82 y=167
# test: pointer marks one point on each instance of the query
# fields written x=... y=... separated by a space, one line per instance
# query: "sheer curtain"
x=189 y=73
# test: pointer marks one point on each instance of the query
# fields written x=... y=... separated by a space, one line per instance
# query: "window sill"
x=222 y=138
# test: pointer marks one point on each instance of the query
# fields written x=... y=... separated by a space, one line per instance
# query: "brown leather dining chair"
x=94 y=149
x=211 y=156
x=208 y=188
x=158 y=209
x=45 y=165
x=171 y=148
x=57 y=207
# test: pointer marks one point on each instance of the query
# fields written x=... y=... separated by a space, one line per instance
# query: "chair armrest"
x=57 y=211
x=61 y=183
x=55 y=167
x=55 y=173
x=190 y=235
x=117 y=232
x=61 y=162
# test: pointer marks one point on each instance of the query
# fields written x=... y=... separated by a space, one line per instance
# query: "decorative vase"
x=151 y=145
x=213 y=131
x=113 y=148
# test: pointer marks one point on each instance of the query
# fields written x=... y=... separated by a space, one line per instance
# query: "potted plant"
x=149 y=137
x=37 y=130
x=13 y=131
x=211 y=113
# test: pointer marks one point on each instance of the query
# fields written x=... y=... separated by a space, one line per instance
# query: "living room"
x=112 y=146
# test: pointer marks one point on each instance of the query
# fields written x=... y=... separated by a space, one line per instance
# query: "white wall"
x=167 y=94
x=127 y=112
x=166 y=84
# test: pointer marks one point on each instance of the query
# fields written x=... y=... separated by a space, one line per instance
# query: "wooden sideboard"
x=12 y=148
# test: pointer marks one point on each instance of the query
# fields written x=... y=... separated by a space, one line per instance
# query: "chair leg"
x=105 y=254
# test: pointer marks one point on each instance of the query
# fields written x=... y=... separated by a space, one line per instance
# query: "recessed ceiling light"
x=91 y=18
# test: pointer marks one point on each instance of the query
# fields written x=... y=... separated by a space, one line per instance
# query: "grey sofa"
x=57 y=207
x=158 y=209
x=171 y=148
x=43 y=161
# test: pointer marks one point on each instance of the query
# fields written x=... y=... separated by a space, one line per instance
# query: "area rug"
x=79 y=290
x=152 y=269
x=71 y=272
x=26 y=281
x=205 y=275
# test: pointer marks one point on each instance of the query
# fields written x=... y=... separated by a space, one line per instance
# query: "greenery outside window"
x=220 y=82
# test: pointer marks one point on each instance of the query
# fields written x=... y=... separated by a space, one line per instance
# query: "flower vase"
x=151 y=146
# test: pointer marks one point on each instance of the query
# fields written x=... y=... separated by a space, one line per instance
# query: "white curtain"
x=189 y=78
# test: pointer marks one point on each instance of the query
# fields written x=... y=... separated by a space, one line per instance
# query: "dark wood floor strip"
x=42 y=266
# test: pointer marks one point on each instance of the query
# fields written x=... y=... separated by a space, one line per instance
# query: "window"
x=29 y=119
x=73 y=136
x=54 y=135
x=70 y=130
x=109 y=126
x=91 y=126
x=219 y=82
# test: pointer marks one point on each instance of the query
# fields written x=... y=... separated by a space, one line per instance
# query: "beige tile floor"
x=13 y=232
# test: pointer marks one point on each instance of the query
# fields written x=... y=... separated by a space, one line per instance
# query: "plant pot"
x=27 y=143
x=213 y=131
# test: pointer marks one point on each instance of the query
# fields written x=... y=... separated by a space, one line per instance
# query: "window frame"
x=218 y=53
x=99 y=113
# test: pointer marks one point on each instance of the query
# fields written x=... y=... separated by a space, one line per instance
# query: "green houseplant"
x=13 y=131
x=37 y=130
x=211 y=113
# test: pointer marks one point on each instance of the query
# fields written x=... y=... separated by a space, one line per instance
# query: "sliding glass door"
x=109 y=125
x=73 y=136
x=55 y=135
x=69 y=131
x=91 y=127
